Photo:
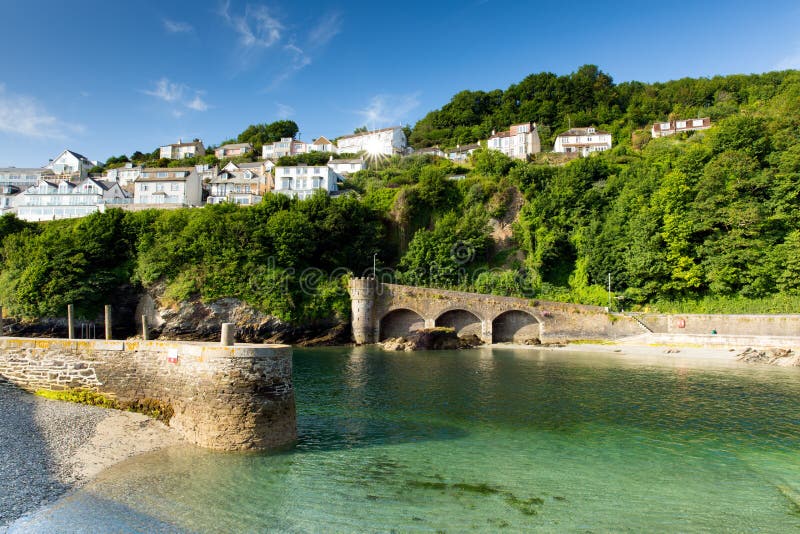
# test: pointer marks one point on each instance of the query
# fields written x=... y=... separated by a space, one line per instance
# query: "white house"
x=176 y=186
x=460 y=154
x=124 y=175
x=9 y=195
x=181 y=150
x=519 y=141
x=386 y=141
x=347 y=166
x=287 y=146
x=321 y=144
x=302 y=181
x=70 y=165
x=663 y=129
x=240 y=183
x=23 y=178
x=233 y=150
x=430 y=151
x=49 y=200
x=582 y=141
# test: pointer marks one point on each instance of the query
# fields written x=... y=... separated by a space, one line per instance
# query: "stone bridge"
x=382 y=311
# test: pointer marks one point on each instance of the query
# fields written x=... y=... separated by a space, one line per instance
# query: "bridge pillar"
x=430 y=323
x=486 y=331
x=362 y=301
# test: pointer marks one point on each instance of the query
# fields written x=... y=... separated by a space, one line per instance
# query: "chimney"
x=180 y=140
x=492 y=133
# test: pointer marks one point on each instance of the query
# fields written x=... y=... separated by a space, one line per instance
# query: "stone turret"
x=362 y=297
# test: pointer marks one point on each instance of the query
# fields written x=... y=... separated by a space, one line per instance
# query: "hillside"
x=705 y=222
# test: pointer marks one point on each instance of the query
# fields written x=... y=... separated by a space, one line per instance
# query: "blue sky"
x=106 y=77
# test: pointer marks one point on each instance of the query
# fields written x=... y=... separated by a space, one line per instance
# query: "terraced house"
x=175 y=186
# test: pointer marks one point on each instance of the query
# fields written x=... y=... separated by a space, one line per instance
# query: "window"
x=680 y=124
x=665 y=126
x=174 y=187
x=144 y=187
x=161 y=175
x=590 y=130
x=697 y=123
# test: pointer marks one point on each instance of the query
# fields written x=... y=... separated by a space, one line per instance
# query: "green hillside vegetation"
x=705 y=222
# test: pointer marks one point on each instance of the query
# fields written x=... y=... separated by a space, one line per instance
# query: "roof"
x=189 y=170
x=321 y=141
x=235 y=145
x=370 y=132
x=346 y=161
x=465 y=148
x=193 y=143
x=506 y=133
x=77 y=155
x=583 y=131
x=26 y=170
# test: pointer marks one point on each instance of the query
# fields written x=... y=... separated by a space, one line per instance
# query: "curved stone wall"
x=229 y=398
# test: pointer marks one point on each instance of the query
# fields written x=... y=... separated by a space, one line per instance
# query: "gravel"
x=37 y=439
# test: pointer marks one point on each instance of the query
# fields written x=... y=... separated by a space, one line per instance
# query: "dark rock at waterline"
x=431 y=339
x=774 y=356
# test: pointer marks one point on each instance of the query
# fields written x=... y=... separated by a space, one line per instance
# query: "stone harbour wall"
x=228 y=398
x=737 y=325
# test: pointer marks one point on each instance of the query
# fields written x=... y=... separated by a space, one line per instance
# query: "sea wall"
x=224 y=397
x=736 y=325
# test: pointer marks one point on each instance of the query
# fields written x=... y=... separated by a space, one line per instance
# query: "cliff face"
x=194 y=320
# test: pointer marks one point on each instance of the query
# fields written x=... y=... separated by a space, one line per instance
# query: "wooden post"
x=1 y=321
x=70 y=325
x=108 y=321
x=144 y=328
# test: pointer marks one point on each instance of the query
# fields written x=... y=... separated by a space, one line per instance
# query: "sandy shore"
x=49 y=447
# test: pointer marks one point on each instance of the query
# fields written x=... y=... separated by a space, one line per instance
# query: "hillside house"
x=240 y=183
x=233 y=150
x=582 y=141
x=50 y=200
x=387 y=141
x=302 y=181
x=519 y=141
x=70 y=165
x=181 y=150
x=176 y=186
x=663 y=129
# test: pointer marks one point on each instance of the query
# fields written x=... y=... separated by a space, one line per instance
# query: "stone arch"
x=463 y=321
x=399 y=323
x=515 y=326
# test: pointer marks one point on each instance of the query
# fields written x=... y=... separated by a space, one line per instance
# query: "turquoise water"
x=484 y=440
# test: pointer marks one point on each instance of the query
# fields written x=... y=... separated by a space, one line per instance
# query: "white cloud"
x=792 y=61
x=257 y=28
x=284 y=111
x=173 y=26
x=197 y=104
x=388 y=109
x=181 y=95
x=24 y=115
x=327 y=28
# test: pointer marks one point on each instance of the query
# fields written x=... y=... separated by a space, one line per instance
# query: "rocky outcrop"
x=431 y=339
x=779 y=357
x=194 y=320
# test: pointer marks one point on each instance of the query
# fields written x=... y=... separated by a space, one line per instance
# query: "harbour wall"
x=734 y=325
x=224 y=397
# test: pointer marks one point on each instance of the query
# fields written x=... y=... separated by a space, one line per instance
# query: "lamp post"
x=375 y=266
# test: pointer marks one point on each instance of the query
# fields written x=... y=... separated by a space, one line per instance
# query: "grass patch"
x=154 y=408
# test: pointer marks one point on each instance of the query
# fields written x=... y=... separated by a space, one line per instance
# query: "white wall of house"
x=303 y=181
x=583 y=141
x=520 y=141
x=70 y=165
x=347 y=166
x=387 y=141
x=167 y=186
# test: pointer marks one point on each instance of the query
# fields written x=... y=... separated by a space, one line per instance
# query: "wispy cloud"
x=180 y=95
x=283 y=111
x=389 y=109
x=325 y=30
x=257 y=27
x=24 y=115
x=174 y=26
x=791 y=61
